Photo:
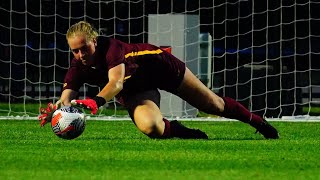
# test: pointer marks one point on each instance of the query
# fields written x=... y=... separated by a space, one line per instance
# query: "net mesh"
x=265 y=53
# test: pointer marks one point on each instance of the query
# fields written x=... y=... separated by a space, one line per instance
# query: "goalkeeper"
x=133 y=73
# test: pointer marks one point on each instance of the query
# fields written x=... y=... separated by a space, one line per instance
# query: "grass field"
x=116 y=150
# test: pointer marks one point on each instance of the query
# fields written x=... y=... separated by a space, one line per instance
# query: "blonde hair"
x=82 y=28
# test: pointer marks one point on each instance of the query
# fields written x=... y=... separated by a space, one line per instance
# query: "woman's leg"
x=148 y=119
x=197 y=94
x=144 y=110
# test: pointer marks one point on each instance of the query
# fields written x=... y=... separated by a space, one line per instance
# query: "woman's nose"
x=81 y=54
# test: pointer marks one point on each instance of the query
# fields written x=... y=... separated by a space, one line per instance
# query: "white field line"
x=106 y=118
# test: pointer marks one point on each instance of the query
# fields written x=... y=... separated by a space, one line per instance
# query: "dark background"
x=280 y=37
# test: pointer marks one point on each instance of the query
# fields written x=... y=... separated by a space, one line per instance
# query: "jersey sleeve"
x=116 y=54
x=73 y=79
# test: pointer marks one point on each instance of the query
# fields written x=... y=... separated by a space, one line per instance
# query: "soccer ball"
x=68 y=122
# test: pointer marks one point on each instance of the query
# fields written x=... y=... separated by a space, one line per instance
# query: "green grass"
x=116 y=150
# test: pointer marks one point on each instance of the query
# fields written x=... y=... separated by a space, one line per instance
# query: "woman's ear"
x=94 y=40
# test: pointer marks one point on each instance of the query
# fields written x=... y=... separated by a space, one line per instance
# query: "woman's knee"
x=148 y=119
x=149 y=122
x=151 y=127
x=148 y=127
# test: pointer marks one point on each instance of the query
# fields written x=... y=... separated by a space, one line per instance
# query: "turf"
x=116 y=150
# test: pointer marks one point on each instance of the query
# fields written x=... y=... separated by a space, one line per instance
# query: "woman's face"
x=82 y=49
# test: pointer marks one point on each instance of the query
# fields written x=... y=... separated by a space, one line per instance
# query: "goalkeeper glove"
x=91 y=104
x=46 y=113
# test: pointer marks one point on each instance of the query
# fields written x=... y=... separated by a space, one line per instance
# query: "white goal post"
x=265 y=54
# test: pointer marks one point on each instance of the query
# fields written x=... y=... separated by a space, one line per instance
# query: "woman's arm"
x=67 y=95
x=115 y=84
x=112 y=88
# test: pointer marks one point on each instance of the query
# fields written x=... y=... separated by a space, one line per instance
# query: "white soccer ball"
x=68 y=122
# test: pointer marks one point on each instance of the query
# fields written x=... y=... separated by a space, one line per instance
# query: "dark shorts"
x=134 y=100
x=156 y=71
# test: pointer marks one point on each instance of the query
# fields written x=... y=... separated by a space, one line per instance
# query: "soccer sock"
x=167 y=129
x=234 y=110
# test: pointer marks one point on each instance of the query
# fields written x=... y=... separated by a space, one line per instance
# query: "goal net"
x=263 y=53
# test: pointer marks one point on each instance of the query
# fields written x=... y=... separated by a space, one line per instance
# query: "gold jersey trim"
x=127 y=77
x=140 y=53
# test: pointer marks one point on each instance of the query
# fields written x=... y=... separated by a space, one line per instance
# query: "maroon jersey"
x=146 y=67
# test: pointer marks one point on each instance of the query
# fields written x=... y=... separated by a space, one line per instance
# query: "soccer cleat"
x=180 y=131
x=268 y=131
